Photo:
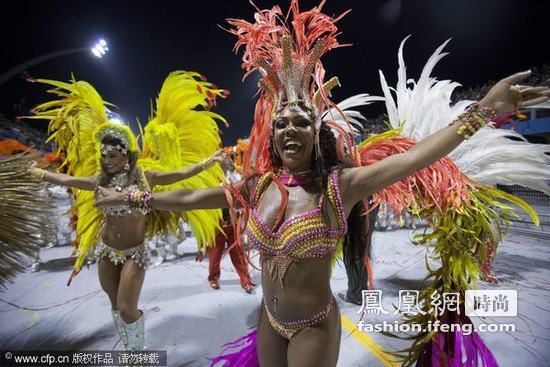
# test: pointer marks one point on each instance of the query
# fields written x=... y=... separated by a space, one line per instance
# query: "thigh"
x=317 y=346
x=272 y=347
x=131 y=281
x=109 y=278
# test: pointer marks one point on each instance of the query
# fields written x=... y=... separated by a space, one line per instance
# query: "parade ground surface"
x=189 y=320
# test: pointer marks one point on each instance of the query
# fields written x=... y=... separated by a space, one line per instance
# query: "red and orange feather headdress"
x=286 y=51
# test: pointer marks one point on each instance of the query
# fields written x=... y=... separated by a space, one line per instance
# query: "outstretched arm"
x=189 y=199
x=167 y=178
x=359 y=183
x=83 y=183
x=176 y=200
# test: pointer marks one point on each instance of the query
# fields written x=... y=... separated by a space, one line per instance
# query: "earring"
x=126 y=166
x=318 y=152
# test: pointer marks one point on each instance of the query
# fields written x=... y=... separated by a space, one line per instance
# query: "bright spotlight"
x=100 y=48
x=114 y=117
x=116 y=120
x=96 y=52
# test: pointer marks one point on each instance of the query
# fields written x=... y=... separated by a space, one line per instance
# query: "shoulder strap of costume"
x=335 y=199
x=259 y=187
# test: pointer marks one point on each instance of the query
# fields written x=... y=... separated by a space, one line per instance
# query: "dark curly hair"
x=357 y=242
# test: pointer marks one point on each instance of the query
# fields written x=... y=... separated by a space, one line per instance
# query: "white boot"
x=120 y=327
x=135 y=332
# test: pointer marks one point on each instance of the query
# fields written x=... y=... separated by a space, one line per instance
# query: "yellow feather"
x=73 y=119
x=181 y=133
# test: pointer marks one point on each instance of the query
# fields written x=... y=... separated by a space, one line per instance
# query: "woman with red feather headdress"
x=297 y=201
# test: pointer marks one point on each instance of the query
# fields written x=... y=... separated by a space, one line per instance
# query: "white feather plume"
x=351 y=121
x=489 y=157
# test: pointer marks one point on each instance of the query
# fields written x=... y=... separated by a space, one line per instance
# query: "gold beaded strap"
x=260 y=187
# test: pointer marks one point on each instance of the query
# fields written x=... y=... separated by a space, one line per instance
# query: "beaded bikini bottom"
x=287 y=329
x=139 y=254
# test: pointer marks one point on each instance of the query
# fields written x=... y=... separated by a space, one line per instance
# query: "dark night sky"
x=148 y=39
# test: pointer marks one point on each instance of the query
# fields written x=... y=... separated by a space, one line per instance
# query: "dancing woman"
x=299 y=202
x=105 y=153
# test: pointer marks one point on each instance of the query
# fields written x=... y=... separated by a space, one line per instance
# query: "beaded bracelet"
x=38 y=173
x=473 y=119
x=207 y=163
x=139 y=200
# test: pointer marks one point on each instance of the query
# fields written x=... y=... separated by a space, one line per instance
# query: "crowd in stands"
x=24 y=134
x=539 y=76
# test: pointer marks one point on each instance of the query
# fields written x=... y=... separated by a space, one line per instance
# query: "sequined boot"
x=120 y=327
x=135 y=332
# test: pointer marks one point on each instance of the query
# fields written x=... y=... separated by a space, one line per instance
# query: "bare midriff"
x=305 y=291
x=123 y=232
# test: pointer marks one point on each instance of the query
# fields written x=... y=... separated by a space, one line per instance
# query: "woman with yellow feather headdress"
x=176 y=142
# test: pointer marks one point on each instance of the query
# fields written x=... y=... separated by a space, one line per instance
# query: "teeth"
x=291 y=144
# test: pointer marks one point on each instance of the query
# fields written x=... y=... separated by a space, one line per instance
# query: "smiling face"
x=112 y=160
x=293 y=139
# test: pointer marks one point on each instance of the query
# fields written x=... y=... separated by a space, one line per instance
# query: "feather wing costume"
x=79 y=117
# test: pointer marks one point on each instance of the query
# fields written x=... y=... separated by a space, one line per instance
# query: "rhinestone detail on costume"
x=139 y=254
x=306 y=235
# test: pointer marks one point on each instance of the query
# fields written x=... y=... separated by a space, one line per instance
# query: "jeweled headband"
x=125 y=140
x=106 y=148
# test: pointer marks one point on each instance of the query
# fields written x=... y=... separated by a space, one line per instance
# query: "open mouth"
x=292 y=147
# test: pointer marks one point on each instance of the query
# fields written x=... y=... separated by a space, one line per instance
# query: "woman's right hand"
x=35 y=171
x=109 y=196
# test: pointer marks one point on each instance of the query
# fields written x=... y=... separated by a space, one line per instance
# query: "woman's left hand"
x=108 y=196
x=506 y=96
x=224 y=159
x=220 y=156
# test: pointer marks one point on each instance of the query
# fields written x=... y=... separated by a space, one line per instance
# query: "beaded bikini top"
x=305 y=235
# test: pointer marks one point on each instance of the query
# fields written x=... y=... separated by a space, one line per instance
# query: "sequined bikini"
x=303 y=236
x=139 y=254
